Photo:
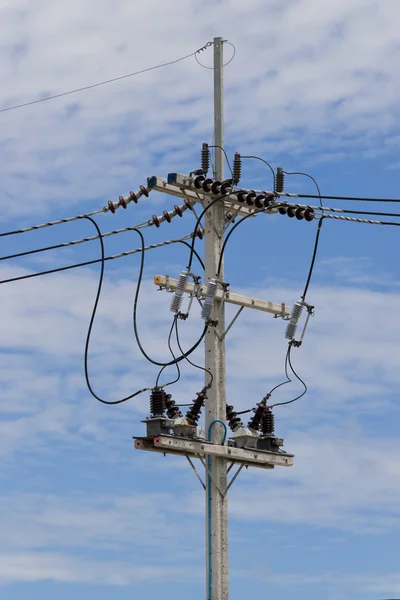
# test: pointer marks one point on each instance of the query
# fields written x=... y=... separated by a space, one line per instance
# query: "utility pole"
x=216 y=503
x=253 y=445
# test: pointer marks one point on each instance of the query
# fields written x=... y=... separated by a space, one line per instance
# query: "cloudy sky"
x=312 y=87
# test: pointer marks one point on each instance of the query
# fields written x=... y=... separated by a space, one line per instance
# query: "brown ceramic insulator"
x=144 y=191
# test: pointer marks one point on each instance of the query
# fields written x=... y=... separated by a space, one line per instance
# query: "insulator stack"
x=226 y=187
x=237 y=169
x=209 y=299
x=216 y=188
x=206 y=185
x=251 y=196
x=234 y=421
x=193 y=415
x=294 y=319
x=169 y=215
x=133 y=197
x=177 y=298
x=255 y=420
x=157 y=402
x=300 y=212
x=205 y=158
x=279 y=180
x=268 y=422
x=172 y=410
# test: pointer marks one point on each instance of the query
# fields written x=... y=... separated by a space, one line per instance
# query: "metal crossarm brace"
x=281 y=310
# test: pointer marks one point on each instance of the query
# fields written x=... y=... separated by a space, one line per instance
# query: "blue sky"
x=312 y=88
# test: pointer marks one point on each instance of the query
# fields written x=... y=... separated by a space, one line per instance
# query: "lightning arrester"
x=209 y=299
x=294 y=319
x=177 y=299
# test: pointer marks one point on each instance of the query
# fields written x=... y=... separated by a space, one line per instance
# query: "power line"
x=106 y=82
x=96 y=302
x=51 y=223
x=98 y=260
x=314 y=256
x=339 y=198
x=66 y=244
x=312 y=179
x=297 y=377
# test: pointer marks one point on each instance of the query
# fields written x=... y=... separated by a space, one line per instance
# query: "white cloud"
x=306 y=71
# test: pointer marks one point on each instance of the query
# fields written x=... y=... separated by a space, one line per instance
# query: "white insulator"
x=296 y=311
x=290 y=331
x=177 y=299
x=294 y=319
x=209 y=299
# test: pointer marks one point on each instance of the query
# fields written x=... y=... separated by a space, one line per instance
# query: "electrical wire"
x=367 y=221
x=265 y=162
x=66 y=244
x=225 y=64
x=339 y=198
x=173 y=356
x=95 y=85
x=208 y=386
x=98 y=260
x=135 y=327
x=297 y=377
x=225 y=154
x=325 y=209
x=256 y=212
x=314 y=255
x=195 y=229
x=51 y=223
x=288 y=380
x=310 y=177
x=99 y=288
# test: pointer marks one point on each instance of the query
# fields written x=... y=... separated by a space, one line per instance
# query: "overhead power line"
x=98 y=260
x=106 y=82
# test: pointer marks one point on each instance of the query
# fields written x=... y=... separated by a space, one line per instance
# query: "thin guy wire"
x=95 y=85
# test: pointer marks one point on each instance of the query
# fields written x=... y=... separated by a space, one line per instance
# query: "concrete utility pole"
x=216 y=503
x=248 y=446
